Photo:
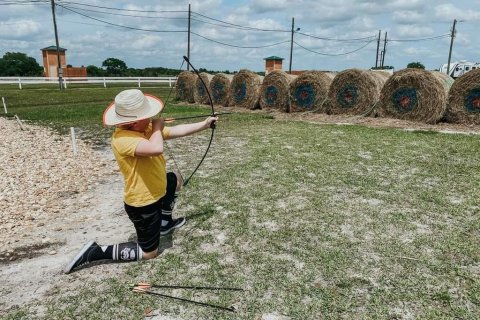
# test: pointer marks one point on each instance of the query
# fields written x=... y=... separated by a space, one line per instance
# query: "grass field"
x=315 y=221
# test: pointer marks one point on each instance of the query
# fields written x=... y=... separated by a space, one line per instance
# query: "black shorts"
x=148 y=221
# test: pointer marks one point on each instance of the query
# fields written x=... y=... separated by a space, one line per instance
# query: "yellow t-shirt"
x=145 y=178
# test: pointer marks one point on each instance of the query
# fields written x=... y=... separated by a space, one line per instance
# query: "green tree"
x=114 y=67
x=417 y=65
x=19 y=64
x=94 y=71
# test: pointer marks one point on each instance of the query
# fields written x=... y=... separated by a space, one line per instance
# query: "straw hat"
x=131 y=105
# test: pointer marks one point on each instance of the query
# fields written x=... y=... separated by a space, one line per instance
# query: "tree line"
x=18 y=64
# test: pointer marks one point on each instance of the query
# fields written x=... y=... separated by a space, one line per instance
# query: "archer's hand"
x=211 y=122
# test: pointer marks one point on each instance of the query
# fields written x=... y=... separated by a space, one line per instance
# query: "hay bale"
x=220 y=88
x=355 y=91
x=415 y=94
x=309 y=90
x=275 y=91
x=464 y=99
x=185 y=86
x=200 y=94
x=245 y=89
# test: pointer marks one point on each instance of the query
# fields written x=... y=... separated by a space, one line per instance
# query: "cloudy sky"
x=231 y=35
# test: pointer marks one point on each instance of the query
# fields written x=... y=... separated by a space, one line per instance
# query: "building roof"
x=273 y=58
x=53 y=48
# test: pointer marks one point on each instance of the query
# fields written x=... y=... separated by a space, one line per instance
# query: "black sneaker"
x=83 y=257
x=174 y=224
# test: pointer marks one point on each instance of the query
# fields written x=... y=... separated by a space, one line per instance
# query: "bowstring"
x=170 y=154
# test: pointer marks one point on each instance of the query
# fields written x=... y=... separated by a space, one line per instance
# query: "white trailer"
x=459 y=68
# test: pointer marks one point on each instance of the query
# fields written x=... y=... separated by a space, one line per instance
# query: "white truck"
x=459 y=68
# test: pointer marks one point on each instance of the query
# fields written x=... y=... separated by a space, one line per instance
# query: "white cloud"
x=414 y=31
x=448 y=12
x=408 y=17
x=92 y=42
x=13 y=29
x=263 y=6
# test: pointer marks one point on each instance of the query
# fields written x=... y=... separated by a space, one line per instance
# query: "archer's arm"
x=183 y=130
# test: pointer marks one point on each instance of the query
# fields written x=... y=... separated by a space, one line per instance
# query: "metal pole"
x=59 y=69
x=378 y=47
x=188 y=50
x=451 y=46
x=291 y=47
x=384 y=49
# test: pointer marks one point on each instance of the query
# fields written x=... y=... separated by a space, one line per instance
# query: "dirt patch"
x=27 y=252
x=52 y=203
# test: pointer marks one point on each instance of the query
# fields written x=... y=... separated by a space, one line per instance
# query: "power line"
x=152 y=30
x=240 y=26
x=333 y=39
x=125 y=15
x=334 y=55
x=119 y=9
x=244 y=47
x=22 y=3
x=225 y=25
x=421 y=39
x=119 y=25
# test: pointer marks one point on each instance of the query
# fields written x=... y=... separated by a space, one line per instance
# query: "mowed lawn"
x=314 y=221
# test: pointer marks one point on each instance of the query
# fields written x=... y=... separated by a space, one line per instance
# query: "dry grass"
x=275 y=91
x=355 y=91
x=309 y=91
x=415 y=94
x=245 y=89
x=464 y=99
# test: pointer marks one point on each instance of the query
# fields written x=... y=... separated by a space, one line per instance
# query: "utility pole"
x=188 y=49
x=378 y=47
x=291 y=46
x=451 y=46
x=384 y=48
x=59 y=69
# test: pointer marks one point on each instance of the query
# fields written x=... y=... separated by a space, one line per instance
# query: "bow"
x=212 y=126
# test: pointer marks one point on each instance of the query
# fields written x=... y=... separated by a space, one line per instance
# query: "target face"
x=405 y=99
x=472 y=101
x=347 y=96
x=240 y=92
x=200 y=89
x=305 y=96
x=218 y=91
x=270 y=95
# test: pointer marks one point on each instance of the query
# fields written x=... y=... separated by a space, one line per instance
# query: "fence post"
x=74 y=141
x=4 y=104
x=19 y=83
x=139 y=82
x=19 y=122
x=169 y=82
x=65 y=83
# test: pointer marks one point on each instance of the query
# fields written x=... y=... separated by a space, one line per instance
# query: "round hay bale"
x=245 y=89
x=464 y=99
x=275 y=91
x=415 y=94
x=185 y=86
x=200 y=94
x=355 y=91
x=220 y=88
x=309 y=90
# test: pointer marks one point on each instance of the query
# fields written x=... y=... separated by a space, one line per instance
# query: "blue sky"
x=347 y=30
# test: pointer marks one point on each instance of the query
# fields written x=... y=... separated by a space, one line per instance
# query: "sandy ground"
x=45 y=221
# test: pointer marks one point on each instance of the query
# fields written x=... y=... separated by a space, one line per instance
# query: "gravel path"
x=52 y=203
x=42 y=181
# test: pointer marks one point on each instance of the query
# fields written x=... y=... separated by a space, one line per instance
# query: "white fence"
x=88 y=80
